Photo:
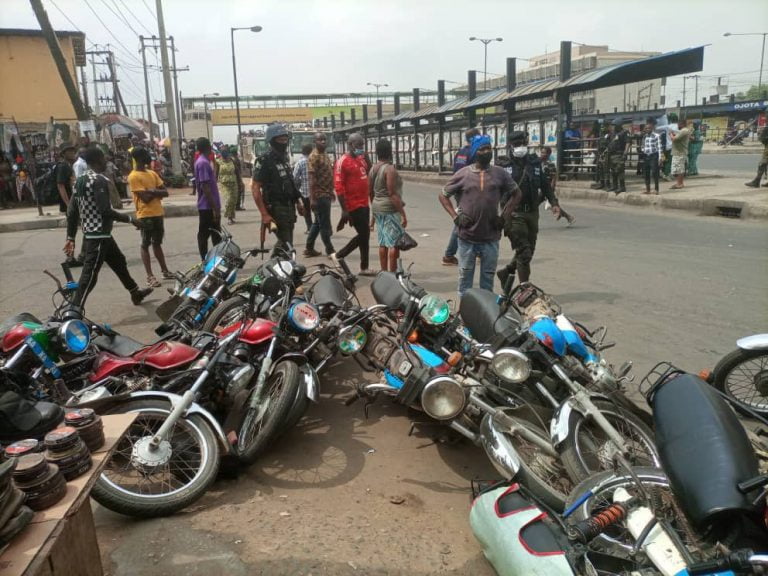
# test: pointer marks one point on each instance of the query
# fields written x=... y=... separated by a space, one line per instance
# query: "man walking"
x=651 y=149
x=572 y=148
x=521 y=226
x=351 y=183
x=616 y=149
x=549 y=168
x=762 y=166
x=602 y=175
x=273 y=188
x=479 y=190
x=239 y=176
x=321 y=195
x=208 y=199
x=680 y=140
x=91 y=209
x=461 y=160
x=301 y=177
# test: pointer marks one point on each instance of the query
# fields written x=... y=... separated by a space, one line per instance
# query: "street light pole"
x=205 y=108
x=234 y=74
x=377 y=87
x=762 y=55
x=485 y=42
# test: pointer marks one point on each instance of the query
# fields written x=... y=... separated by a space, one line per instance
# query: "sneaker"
x=311 y=253
x=168 y=275
x=571 y=220
x=153 y=282
x=450 y=261
x=138 y=295
x=368 y=272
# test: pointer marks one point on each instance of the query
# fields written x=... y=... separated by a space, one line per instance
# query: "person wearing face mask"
x=479 y=189
x=461 y=159
x=274 y=190
x=521 y=226
x=350 y=179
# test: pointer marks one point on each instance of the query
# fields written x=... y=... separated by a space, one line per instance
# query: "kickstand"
x=366 y=405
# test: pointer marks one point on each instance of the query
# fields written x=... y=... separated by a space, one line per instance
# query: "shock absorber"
x=586 y=530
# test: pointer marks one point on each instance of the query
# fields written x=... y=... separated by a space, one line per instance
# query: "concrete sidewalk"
x=706 y=194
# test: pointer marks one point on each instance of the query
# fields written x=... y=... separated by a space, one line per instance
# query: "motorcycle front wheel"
x=264 y=422
x=225 y=314
x=147 y=483
x=743 y=376
x=588 y=450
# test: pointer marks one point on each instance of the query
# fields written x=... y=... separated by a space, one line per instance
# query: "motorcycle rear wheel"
x=166 y=488
x=226 y=313
x=587 y=450
x=261 y=427
x=743 y=376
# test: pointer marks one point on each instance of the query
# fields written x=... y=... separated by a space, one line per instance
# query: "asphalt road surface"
x=342 y=494
x=729 y=164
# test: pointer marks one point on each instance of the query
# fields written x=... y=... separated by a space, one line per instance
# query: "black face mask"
x=280 y=148
x=484 y=158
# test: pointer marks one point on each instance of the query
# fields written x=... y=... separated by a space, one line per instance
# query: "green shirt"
x=680 y=142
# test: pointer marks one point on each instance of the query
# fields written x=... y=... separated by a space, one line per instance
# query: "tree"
x=754 y=93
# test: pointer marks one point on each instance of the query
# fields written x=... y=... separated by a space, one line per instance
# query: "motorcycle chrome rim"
x=255 y=423
x=231 y=317
x=747 y=382
x=190 y=457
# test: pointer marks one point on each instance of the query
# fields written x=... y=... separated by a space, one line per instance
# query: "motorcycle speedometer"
x=303 y=316
x=74 y=336
x=434 y=310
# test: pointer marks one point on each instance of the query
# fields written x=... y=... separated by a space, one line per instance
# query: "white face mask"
x=519 y=151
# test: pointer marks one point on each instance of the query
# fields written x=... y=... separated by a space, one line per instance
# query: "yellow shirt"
x=139 y=181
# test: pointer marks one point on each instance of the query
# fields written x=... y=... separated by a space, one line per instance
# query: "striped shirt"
x=652 y=144
x=301 y=176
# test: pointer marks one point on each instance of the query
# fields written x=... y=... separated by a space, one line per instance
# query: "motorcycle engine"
x=134 y=382
x=379 y=349
x=602 y=375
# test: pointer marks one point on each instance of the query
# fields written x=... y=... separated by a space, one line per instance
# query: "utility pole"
x=58 y=58
x=84 y=84
x=118 y=96
x=176 y=93
x=146 y=86
x=169 y=93
x=96 y=104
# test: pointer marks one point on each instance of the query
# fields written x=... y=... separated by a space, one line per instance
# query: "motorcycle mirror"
x=624 y=369
x=253 y=290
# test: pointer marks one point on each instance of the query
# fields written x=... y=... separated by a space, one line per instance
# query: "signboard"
x=228 y=116
x=78 y=47
x=754 y=105
x=87 y=126
x=161 y=112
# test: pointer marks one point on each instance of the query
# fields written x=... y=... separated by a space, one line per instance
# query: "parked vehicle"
x=743 y=374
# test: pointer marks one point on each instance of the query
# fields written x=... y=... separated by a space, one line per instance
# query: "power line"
x=149 y=10
x=139 y=20
x=108 y=29
x=119 y=16
x=70 y=21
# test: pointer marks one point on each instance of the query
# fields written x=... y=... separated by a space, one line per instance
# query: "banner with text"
x=228 y=116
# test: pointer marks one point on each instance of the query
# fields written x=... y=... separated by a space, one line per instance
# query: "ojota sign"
x=756 y=105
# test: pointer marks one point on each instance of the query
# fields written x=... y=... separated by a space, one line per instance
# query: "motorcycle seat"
x=118 y=345
x=328 y=291
x=387 y=290
x=9 y=323
x=479 y=310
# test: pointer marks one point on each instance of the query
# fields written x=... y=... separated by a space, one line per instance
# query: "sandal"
x=153 y=282
x=368 y=272
x=167 y=275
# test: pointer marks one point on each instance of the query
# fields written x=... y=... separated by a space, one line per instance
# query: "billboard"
x=228 y=116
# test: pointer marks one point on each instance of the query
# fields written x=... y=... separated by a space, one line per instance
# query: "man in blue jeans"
x=321 y=195
x=461 y=159
x=480 y=190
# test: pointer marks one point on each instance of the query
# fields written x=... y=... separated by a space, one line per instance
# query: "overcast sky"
x=340 y=45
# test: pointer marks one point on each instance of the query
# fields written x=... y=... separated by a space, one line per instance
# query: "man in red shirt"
x=351 y=182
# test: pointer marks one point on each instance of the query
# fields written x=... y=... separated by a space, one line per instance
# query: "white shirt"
x=80 y=167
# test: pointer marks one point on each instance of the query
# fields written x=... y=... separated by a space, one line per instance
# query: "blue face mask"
x=359 y=151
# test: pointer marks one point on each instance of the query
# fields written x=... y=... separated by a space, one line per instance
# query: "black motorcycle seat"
x=479 y=310
x=704 y=450
x=328 y=290
x=9 y=323
x=118 y=344
x=386 y=289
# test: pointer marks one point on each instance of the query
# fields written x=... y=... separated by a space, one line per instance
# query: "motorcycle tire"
x=143 y=503
x=582 y=431
x=255 y=435
x=299 y=408
x=222 y=312
x=616 y=540
x=731 y=375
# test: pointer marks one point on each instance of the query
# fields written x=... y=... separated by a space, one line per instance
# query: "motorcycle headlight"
x=303 y=316
x=74 y=336
x=443 y=398
x=434 y=310
x=352 y=340
x=511 y=365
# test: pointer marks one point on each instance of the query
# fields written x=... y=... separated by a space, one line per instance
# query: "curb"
x=171 y=211
x=738 y=209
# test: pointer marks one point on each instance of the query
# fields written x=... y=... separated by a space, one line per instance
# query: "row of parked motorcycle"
x=591 y=482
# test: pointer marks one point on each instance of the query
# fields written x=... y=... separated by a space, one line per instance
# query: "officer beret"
x=517 y=135
x=618 y=122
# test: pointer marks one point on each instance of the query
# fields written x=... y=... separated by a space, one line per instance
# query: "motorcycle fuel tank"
x=549 y=334
x=256 y=332
x=15 y=336
x=161 y=356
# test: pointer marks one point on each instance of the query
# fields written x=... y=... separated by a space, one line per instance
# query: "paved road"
x=729 y=164
x=670 y=287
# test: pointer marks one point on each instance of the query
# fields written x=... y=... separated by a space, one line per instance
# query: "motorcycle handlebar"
x=67 y=272
x=739 y=561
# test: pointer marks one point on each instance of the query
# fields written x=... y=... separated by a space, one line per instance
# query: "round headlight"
x=443 y=398
x=74 y=336
x=303 y=316
x=511 y=365
x=352 y=340
x=434 y=310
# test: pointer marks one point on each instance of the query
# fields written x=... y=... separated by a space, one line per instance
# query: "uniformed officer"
x=522 y=225
x=274 y=191
x=601 y=160
x=616 y=150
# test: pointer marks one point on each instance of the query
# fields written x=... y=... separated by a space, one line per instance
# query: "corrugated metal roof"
x=490 y=98
x=453 y=105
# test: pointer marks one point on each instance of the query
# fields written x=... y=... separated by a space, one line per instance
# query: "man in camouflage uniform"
x=762 y=166
x=601 y=158
x=273 y=188
x=616 y=150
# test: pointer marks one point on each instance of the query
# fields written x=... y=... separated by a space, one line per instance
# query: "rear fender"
x=756 y=342
x=560 y=425
x=309 y=375
x=499 y=449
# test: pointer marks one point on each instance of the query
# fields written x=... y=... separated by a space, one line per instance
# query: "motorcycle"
x=743 y=374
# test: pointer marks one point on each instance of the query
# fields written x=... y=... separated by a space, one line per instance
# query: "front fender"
x=499 y=449
x=560 y=425
x=195 y=408
x=309 y=374
x=756 y=342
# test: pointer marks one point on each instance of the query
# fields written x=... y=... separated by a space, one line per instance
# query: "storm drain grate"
x=729 y=211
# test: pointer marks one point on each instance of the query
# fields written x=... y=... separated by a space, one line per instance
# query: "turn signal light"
x=299 y=290
x=705 y=375
x=413 y=337
x=454 y=358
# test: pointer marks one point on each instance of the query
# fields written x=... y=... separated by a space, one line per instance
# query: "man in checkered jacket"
x=91 y=209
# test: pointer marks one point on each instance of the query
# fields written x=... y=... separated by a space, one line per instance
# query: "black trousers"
x=359 y=220
x=207 y=228
x=651 y=168
x=307 y=212
x=96 y=253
